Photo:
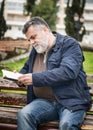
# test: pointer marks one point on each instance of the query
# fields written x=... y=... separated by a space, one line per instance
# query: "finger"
x=14 y=71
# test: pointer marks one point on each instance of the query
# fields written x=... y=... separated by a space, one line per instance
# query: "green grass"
x=88 y=63
x=14 y=65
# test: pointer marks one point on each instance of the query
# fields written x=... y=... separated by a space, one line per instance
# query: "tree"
x=46 y=9
x=3 y=26
x=74 y=20
x=28 y=7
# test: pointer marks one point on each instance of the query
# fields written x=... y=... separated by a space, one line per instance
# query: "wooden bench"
x=12 y=101
x=12 y=45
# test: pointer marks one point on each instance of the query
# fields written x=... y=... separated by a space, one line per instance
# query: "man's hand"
x=25 y=79
x=19 y=83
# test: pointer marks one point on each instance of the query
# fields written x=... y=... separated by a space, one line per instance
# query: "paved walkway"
x=16 y=58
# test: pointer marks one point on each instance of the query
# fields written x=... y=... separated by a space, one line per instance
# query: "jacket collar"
x=59 y=41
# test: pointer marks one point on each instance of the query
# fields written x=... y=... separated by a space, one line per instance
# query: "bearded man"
x=57 y=87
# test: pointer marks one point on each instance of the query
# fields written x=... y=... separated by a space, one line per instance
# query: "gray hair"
x=35 y=21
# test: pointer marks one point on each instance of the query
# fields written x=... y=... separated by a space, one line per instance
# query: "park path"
x=16 y=58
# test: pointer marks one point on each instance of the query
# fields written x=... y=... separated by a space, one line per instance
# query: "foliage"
x=74 y=19
x=3 y=26
x=28 y=7
x=47 y=9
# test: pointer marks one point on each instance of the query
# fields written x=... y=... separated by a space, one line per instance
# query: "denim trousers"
x=42 y=110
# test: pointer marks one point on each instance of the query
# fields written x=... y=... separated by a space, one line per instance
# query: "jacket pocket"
x=54 y=62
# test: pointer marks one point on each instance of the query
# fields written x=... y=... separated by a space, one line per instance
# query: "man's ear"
x=45 y=28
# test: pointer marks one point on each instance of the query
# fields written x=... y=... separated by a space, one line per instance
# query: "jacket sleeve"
x=69 y=68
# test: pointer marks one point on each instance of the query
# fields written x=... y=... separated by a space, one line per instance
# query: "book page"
x=10 y=75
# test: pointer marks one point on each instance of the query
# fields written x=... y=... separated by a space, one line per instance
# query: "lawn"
x=13 y=65
x=88 y=64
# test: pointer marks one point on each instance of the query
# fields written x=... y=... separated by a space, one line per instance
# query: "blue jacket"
x=64 y=74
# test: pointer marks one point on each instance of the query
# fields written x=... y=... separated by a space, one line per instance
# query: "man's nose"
x=32 y=41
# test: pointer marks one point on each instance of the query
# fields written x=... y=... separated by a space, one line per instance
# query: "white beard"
x=42 y=46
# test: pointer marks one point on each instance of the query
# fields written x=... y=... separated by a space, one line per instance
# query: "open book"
x=10 y=75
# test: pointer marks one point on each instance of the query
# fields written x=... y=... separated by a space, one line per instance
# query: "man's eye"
x=32 y=37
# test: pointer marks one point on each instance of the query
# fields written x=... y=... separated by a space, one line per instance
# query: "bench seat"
x=12 y=99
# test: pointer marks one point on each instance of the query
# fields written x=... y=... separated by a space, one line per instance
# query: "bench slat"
x=90 y=77
x=88 y=122
x=91 y=109
x=12 y=88
x=54 y=126
x=4 y=126
x=87 y=127
x=91 y=88
x=10 y=109
x=12 y=98
x=8 y=117
x=90 y=116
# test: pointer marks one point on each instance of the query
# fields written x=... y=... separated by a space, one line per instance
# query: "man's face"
x=38 y=38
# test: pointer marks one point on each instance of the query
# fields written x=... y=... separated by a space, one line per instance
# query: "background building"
x=88 y=15
x=15 y=18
